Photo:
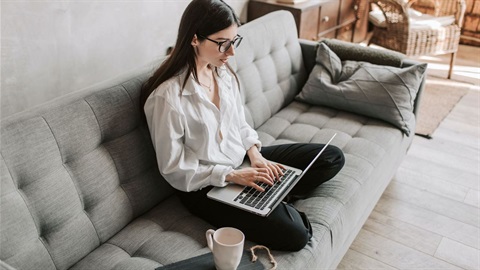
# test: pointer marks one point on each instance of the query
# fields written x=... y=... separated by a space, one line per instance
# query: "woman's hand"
x=275 y=170
x=250 y=177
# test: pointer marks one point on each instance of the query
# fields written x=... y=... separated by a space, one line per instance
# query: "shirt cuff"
x=251 y=141
x=219 y=174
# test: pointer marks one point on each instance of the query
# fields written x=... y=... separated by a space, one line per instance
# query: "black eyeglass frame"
x=220 y=43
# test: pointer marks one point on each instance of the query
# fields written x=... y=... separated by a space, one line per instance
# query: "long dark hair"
x=201 y=17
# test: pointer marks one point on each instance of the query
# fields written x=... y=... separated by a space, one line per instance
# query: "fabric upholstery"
x=373 y=150
x=77 y=172
x=80 y=188
x=383 y=92
x=352 y=52
x=269 y=66
x=166 y=234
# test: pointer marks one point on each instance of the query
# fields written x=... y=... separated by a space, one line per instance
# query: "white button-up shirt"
x=196 y=143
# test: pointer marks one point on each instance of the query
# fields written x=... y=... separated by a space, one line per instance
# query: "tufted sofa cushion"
x=270 y=69
x=337 y=209
x=73 y=175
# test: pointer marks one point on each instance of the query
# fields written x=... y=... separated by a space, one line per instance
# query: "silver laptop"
x=262 y=203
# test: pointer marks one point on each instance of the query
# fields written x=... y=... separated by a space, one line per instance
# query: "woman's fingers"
x=257 y=187
x=270 y=169
x=263 y=177
x=277 y=170
x=254 y=177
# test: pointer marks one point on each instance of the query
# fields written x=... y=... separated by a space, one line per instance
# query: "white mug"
x=226 y=245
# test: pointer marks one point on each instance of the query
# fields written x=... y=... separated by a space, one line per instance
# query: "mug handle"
x=209 y=235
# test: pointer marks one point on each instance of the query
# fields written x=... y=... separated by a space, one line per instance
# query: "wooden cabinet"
x=471 y=24
x=315 y=19
x=328 y=20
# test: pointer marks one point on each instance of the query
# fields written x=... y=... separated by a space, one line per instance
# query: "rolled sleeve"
x=219 y=174
x=252 y=141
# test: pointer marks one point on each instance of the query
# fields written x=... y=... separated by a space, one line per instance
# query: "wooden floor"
x=429 y=216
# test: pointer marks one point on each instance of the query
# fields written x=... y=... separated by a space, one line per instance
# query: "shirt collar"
x=191 y=87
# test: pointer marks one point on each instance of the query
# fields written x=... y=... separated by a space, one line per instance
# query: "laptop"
x=262 y=203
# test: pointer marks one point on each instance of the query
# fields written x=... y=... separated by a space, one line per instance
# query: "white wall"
x=51 y=48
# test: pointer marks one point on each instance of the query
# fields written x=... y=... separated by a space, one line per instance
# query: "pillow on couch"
x=382 y=92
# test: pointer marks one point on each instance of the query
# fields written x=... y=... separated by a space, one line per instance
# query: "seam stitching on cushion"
x=73 y=181
x=349 y=176
x=133 y=103
x=83 y=203
x=110 y=154
x=168 y=229
x=281 y=132
x=101 y=142
x=98 y=122
x=55 y=138
x=48 y=251
x=128 y=94
x=362 y=158
x=136 y=251
x=115 y=266
x=119 y=180
x=354 y=135
x=9 y=172
x=35 y=221
x=29 y=210
x=108 y=243
x=116 y=167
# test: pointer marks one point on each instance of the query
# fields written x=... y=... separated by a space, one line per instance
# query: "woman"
x=195 y=115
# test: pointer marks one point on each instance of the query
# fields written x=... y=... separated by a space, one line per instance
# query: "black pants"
x=285 y=228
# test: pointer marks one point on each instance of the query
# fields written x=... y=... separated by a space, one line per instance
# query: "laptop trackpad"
x=226 y=193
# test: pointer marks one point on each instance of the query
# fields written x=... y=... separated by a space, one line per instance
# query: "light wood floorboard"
x=429 y=215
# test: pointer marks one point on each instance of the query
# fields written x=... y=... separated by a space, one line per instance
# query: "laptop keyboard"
x=259 y=200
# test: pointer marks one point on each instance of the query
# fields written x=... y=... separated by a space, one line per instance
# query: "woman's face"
x=207 y=50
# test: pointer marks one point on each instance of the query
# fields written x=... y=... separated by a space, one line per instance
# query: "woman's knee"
x=335 y=157
x=291 y=229
x=297 y=240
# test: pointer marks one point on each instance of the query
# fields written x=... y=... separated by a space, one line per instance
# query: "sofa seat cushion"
x=302 y=122
x=166 y=234
x=373 y=150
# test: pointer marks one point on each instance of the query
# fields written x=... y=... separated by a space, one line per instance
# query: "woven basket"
x=400 y=37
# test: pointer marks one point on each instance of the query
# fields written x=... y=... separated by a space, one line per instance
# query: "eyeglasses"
x=224 y=46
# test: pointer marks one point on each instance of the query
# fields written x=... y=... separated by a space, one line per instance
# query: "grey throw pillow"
x=382 y=92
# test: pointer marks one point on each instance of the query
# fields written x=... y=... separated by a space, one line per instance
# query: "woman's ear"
x=195 y=41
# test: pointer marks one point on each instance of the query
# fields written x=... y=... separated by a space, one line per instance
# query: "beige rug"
x=439 y=98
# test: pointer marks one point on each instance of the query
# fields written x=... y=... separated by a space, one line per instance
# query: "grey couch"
x=80 y=188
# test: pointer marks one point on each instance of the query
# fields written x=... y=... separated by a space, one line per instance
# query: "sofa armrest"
x=350 y=51
x=309 y=53
x=355 y=52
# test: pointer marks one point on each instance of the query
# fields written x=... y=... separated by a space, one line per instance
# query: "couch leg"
x=368 y=39
x=452 y=62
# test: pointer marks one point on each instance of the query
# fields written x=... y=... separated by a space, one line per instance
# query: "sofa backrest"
x=269 y=65
x=73 y=173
